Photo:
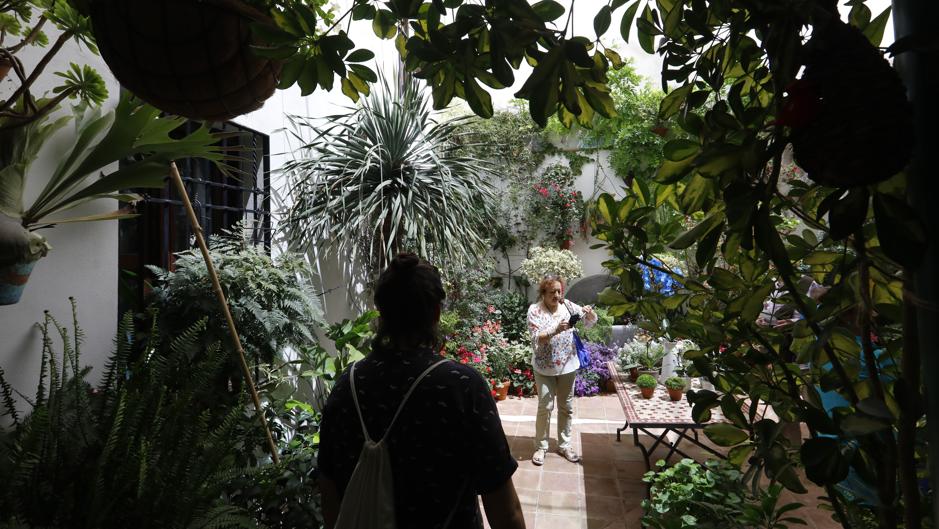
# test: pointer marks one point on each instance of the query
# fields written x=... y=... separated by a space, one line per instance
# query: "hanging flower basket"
x=186 y=57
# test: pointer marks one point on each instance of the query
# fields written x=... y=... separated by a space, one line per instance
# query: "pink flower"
x=491 y=309
x=544 y=192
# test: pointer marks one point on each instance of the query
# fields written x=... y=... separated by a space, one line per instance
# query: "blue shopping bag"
x=582 y=353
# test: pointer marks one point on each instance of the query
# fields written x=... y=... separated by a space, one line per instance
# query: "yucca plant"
x=386 y=177
x=142 y=449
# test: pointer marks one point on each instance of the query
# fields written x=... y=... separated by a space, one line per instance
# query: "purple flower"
x=590 y=378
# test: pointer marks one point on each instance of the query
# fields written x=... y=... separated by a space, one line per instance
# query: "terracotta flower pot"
x=647 y=392
x=566 y=245
x=502 y=392
x=13 y=278
x=675 y=394
x=633 y=374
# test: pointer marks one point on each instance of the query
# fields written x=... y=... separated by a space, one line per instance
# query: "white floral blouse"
x=558 y=356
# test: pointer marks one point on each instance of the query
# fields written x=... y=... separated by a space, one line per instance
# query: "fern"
x=9 y=404
x=146 y=451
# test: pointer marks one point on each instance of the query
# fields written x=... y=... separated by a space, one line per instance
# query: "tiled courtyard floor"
x=605 y=489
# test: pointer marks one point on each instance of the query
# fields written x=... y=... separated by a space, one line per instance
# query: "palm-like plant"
x=383 y=178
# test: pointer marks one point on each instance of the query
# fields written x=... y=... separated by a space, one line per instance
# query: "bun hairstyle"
x=408 y=295
x=546 y=282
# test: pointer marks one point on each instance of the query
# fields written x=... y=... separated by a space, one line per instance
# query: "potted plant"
x=650 y=356
x=497 y=365
x=545 y=261
x=629 y=358
x=675 y=387
x=132 y=131
x=646 y=385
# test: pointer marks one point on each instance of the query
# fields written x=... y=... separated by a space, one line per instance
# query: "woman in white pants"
x=554 y=359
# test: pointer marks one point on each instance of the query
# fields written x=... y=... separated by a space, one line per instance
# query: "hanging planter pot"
x=186 y=57
x=13 y=278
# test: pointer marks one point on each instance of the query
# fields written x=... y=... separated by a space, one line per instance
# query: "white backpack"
x=369 y=500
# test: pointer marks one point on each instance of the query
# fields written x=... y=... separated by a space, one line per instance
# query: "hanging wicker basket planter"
x=191 y=58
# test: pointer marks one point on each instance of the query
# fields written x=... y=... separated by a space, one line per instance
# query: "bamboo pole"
x=220 y=294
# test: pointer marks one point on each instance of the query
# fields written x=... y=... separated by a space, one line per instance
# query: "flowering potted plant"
x=556 y=205
x=520 y=371
x=497 y=364
x=547 y=261
x=646 y=385
x=596 y=377
x=675 y=387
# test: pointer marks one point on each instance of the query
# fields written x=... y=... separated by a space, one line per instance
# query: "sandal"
x=538 y=457
x=569 y=454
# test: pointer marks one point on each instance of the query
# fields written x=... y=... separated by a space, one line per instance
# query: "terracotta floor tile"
x=597 y=486
x=598 y=467
x=601 y=507
x=563 y=503
x=528 y=498
x=558 y=482
x=525 y=478
x=593 y=413
x=595 y=523
x=555 y=521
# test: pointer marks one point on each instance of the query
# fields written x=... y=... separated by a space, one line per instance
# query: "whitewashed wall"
x=83 y=260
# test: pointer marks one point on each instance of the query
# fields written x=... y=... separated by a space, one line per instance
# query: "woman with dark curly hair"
x=437 y=417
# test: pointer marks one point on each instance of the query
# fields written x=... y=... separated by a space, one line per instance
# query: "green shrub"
x=513 y=313
x=272 y=300
x=689 y=494
x=675 y=383
x=646 y=381
x=601 y=332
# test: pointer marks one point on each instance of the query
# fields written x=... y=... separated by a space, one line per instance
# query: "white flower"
x=548 y=261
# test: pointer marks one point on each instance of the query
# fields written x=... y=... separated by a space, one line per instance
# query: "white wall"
x=83 y=260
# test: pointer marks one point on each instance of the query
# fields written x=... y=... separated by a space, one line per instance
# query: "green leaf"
x=858 y=424
x=646 y=31
x=824 y=463
x=548 y=10
x=875 y=30
x=723 y=434
x=848 y=214
x=626 y=23
x=360 y=55
x=699 y=230
x=899 y=230
x=349 y=90
x=608 y=296
x=671 y=103
x=680 y=149
x=384 y=24
x=601 y=22
x=478 y=98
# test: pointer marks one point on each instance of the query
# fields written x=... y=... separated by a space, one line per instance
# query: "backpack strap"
x=404 y=401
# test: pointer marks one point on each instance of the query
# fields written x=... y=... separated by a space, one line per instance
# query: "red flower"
x=493 y=393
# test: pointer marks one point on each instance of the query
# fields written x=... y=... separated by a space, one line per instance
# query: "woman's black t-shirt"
x=448 y=432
